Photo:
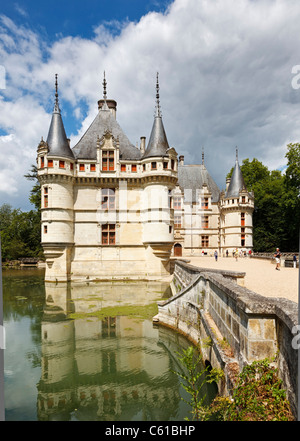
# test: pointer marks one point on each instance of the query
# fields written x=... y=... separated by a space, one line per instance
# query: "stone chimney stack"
x=143 y=143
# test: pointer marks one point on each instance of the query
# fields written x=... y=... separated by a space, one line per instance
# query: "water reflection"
x=114 y=367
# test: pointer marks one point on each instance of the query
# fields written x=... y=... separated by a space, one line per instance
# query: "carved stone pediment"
x=108 y=141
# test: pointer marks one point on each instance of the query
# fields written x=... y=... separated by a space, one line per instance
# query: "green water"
x=88 y=352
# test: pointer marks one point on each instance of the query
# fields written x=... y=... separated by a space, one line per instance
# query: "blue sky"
x=226 y=73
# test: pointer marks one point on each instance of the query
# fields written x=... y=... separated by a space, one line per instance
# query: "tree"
x=35 y=193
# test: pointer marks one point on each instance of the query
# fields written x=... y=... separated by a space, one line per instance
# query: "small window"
x=177 y=221
x=133 y=168
x=204 y=204
x=45 y=229
x=144 y=167
x=165 y=165
x=109 y=234
x=204 y=241
x=50 y=163
x=243 y=199
x=153 y=165
x=71 y=166
x=108 y=199
x=45 y=197
x=61 y=164
x=172 y=164
x=93 y=167
x=81 y=167
x=204 y=221
x=123 y=167
x=42 y=162
x=108 y=160
x=177 y=203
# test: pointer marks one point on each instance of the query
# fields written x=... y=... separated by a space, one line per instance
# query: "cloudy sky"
x=229 y=76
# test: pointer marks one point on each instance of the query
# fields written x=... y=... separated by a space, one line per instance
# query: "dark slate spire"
x=57 y=140
x=237 y=181
x=158 y=143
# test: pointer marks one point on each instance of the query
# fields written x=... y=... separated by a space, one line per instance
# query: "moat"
x=89 y=352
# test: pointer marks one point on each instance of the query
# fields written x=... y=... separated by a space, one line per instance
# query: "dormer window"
x=204 y=204
x=108 y=160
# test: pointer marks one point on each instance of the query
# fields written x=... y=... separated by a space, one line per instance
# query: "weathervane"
x=158 y=112
x=56 y=105
x=104 y=87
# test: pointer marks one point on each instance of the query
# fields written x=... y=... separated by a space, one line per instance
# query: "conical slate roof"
x=57 y=140
x=237 y=182
x=158 y=143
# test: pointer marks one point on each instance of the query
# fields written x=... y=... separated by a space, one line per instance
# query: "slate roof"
x=193 y=177
x=86 y=148
x=158 y=143
x=237 y=182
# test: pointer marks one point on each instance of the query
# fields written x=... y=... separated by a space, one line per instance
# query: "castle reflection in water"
x=116 y=368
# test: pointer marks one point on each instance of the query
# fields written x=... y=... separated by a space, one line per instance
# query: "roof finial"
x=158 y=113
x=56 y=105
x=202 y=155
x=104 y=87
x=236 y=154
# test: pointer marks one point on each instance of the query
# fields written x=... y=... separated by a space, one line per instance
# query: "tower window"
x=109 y=234
x=45 y=229
x=81 y=167
x=242 y=219
x=133 y=168
x=108 y=160
x=50 y=163
x=42 y=162
x=153 y=165
x=123 y=167
x=61 y=164
x=93 y=167
x=165 y=165
x=45 y=197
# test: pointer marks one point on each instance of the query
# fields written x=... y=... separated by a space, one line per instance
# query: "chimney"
x=143 y=143
x=112 y=105
x=181 y=160
x=227 y=183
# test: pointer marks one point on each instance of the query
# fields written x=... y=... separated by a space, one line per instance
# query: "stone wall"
x=232 y=325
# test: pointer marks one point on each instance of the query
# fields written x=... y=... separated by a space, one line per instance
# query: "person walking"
x=294 y=261
x=277 y=256
x=216 y=255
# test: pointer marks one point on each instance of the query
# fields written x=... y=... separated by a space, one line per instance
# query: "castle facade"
x=112 y=210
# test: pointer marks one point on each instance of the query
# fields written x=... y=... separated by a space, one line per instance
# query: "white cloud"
x=225 y=81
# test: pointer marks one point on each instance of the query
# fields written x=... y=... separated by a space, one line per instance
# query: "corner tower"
x=55 y=162
x=160 y=169
x=236 y=211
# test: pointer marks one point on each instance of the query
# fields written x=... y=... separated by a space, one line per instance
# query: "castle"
x=112 y=210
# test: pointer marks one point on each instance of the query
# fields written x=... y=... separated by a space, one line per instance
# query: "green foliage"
x=277 y=210
x=21 y=231
x=258 y=396
x=194 y=380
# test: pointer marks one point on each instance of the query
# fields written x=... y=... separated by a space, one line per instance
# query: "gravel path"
x=261 y=276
